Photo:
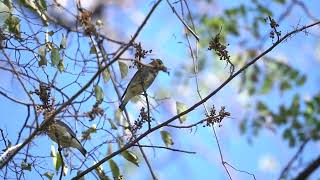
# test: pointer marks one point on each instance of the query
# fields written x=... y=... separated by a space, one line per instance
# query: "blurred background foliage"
x=275 y=87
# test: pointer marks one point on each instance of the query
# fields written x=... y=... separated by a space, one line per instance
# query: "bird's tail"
x=123 y=104
x=83 y=151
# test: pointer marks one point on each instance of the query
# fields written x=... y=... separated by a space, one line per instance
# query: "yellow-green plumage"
x=141 y=81
x=62 y=134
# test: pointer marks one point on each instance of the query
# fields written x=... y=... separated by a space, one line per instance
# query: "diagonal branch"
x=132 y=143
x=314 y=165
x=67 y=103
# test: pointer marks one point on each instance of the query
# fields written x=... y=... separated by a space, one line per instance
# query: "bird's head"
x=158 y=64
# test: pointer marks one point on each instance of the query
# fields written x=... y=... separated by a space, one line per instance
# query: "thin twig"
x=87 y=85
x=163 y=147
x=183 y=22
x=165 y=123
x=285 y=170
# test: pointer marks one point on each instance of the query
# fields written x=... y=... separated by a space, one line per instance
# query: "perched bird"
x=62 y=134
x=141 y=81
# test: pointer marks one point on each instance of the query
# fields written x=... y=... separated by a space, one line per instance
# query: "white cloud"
x=211 y=80
x=268 y=163
x=243 y=98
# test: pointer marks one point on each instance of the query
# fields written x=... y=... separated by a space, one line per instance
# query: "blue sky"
x=264 y=158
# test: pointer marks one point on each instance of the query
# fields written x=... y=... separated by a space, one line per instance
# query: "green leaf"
x=285 y=85
x=49 y=175
x=99 y=93
x=63 y=43
x=93 y=50
x=263 y=109
x=264 y=10
x=61 y=66
x=181 y=108
x=114 y=169
x=99 y=23
x=166 y=138
x=56 y=158
x=117 y=116
x=42 y=53
x=123 y=69
x=109 y=148
x=296 y=124
x=280 y=1
x=295 y=105
x=131 y=157
x=38 y=8
x=243 y=126
x=87 y=133
x=8 y=3
x=55 y=56
x=102 y=175
x=106 y=75
x=293 y=74
x=25 y=166
x=267 y=84
x=43 y=4
x=13 y=24
x=301 y=80
x=65 y=170
x=113 y=126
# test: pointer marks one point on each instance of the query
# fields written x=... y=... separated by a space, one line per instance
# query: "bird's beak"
x=164 y=69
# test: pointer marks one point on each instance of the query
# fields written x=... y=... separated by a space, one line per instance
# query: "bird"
x=62 y=134
x=141 y=81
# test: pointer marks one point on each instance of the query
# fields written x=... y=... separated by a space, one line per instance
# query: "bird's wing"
x=68 y=128
x=135 y=77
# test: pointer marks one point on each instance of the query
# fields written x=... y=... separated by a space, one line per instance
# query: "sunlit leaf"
x=181 y=108
x=8 y=3
x=56 y=158
x=123 y=69
x=43 y=4
x=63 y=43
x=87 y=133
x=42 y=53
x=38 y=7
x=166 y=138
x=106 y=75
x=102 y=175
x=109 y=148
x=25 y=166
x=99 y=23
x=113 y=126
x=131 y=157
x=118 y=116
x=55 y=56
x=114 y=169
x=61 y=66
x=99 y=93
x=13 y=24
x=65 y=170
x=49 y=175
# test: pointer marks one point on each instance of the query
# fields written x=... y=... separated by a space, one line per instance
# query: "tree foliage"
x=68 y=60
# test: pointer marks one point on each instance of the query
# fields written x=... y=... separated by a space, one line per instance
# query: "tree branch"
x=67 y=103
x=132 y=143
x=309 y=169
